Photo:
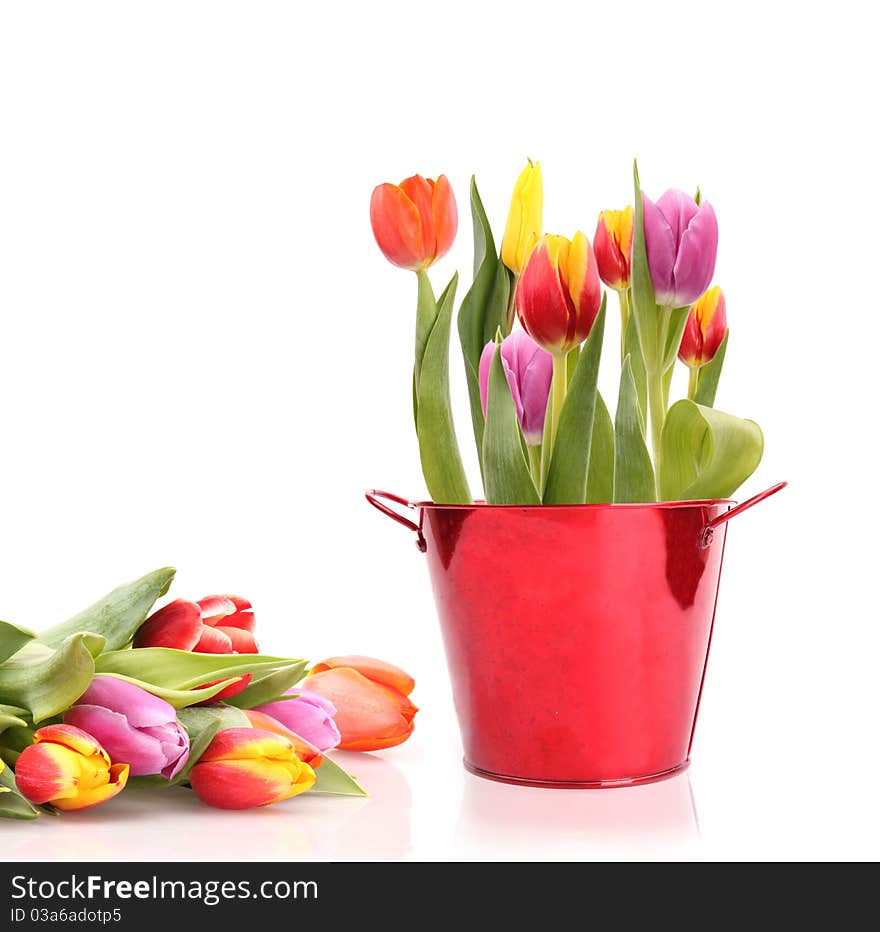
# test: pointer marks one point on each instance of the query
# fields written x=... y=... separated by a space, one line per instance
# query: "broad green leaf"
x=483 y=309
x=179 y=698
x=11 y=717
x=180 y=669
x=332 y=780
x=12 y=804
x=118 y=615
x=12 y=639
x=709 y=376
x=438 y=445
x=571 y=361
x=567 y=475
x=269 y=687
x=707 y=453
x=600 y=480
x=644 y=304
x=202 y=724
x=633 y=349
x=16 y=738
x=45 y=681
x=505 y=468
x=633 y=472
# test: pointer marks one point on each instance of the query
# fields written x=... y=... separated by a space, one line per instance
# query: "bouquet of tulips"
x=543 y=431
x=114 y=698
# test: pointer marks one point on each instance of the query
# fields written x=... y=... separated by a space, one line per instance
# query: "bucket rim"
x=617 y=506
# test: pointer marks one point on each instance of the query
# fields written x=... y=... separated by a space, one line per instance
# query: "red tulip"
x=705 y=329
x=612 y=245
x=305 y=750
x=216 y=624
x=414 y=222
x=372 y=708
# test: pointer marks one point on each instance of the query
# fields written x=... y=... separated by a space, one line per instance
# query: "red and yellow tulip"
x=305 y=750
x=414 y=222
x=704 y=330
x=68 y=768
x=373 y=710
x=559 y=294
x=612 y=245
x=247 y=767
x=524 y=219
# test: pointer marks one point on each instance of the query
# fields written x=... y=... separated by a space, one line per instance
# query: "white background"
x=206 y=360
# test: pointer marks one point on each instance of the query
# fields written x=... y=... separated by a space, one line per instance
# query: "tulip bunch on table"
x=118 y=697
x=543 y=431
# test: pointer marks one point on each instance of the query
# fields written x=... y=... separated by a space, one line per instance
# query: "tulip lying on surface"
x=529 y=371
x=132 y=725
x=246 y=767
x=216 y=624
x=370 y=696
x=415 y=222
x=307 y=714
x=704 y=330
x=559 y=294
x=612 y=245
x=305 y=750
x=68 y=768
x=524 y=219
x=681 y=241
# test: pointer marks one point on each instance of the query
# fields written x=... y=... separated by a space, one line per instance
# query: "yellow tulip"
x=525 y=219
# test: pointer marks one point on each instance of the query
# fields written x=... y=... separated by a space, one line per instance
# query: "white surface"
x=206 y=360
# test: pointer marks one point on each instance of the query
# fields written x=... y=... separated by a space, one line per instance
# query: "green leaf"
x=644 y=304
x=426 y=317
x=179 y=698
x=269 y=687
x=505 y=468
x=633 y=349
x=571 y=361
x=438 y=445
x=16 y=738
x=677 y=322
x=12 y=639
x=180 y=669
x=332 y=780
x=12 y=804
x=600 y=480
x=11 y=717
x=567 y=475
x=46 y=681
x=203 y=724
x=483 y=309
x=709 y=376
x=633 y=472
x=707 y=453
x=118 y=615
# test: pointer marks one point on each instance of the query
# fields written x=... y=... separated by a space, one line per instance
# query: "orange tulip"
x=372 y=708
x=414 y=222
x=68 y=768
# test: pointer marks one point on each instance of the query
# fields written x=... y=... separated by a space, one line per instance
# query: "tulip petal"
x=117 y=777
x=444 y=214
x=695 y=262
x=660 y=246
x=46 y=771
x=215 y=608
x=242 y=641
x=245 y=784
x=213 y=641
x=304 y=716
x=177 y=625
x=140 y=707
x=543 y=302
x=242 y=617
x=305 y=750
x=373 y=669
x=421 y=192
x=396 y=226
x=246 y=744
x=70 y=736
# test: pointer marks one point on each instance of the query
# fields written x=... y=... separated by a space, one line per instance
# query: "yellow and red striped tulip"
x=612 y=245
x=559 y=294
x=373 y=710
x=705 y=329
x=524 y=219
x=68 y=768
x=414 y=222
x=246 y=767
x=305 y=750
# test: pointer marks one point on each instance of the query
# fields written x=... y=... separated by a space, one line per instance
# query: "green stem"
x=511 y=305
x=623 y=297
x=535 y=465
x=558 y=388
x=693 y=381
x=658 y=416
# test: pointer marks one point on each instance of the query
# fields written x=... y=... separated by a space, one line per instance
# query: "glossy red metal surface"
x=576 y=636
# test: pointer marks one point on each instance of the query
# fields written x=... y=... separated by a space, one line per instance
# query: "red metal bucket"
x=576 y=635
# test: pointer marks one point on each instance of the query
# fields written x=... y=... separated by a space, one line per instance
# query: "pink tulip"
x=306 y=714
x=132 y=725
x=681 y=240
x=529 y=370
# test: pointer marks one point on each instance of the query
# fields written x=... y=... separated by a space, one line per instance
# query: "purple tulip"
x=681 y=239
x=308 y=715
x=529 y=371
x=134 y=726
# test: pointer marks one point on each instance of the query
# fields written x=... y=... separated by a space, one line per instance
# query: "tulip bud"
x=216 y=624
x=415 y=222
x=529 y=371
x=704 y=330
x=68 y=768
x=246 y=767
x=132 y=725
x=559 y=294
x=524 y=219
x=306 y=714
x=681 y=241
x=370 y=696
x=612 y=245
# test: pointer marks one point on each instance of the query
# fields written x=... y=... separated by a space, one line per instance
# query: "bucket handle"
x=374 y=497
x=714 y=523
